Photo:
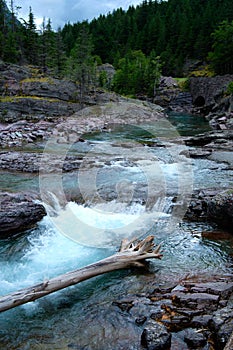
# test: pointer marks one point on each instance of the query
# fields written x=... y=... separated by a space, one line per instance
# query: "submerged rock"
x=19 y=212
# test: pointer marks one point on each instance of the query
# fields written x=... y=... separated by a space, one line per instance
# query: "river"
x=136 y=175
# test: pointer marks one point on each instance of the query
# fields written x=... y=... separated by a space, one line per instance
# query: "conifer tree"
x=80 y=65
x=31 y=39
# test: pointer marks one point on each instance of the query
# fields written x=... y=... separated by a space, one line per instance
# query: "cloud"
x=63 y=11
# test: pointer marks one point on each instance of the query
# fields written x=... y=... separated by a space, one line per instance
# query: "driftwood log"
x=229 y=344
x=131 y=253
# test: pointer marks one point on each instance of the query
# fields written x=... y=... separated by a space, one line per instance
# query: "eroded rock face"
x=19 y=212
x=205 y=90
x=169 y=95
x=209 y=98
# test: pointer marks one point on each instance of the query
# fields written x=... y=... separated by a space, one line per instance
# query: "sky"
x=63 y=11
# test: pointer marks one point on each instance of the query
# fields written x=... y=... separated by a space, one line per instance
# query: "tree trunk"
x=131 y=253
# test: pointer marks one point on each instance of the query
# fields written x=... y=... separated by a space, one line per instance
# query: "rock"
x=155 y=337
x=213 y=205
x=196 y=300
x=205 y=91
x=218 y=288
x=194 y=339
x=222 y=325
x=220 y=209
x=35 y=109
x=169 y=95
x=199 y=153
x=19 y=212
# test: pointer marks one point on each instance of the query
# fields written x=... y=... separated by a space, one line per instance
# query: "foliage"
x=137 y=74
x=80 y=65
x=183 y=83
x=204 y=71
x=230 y=88
x=221 y=56
x=37 y=80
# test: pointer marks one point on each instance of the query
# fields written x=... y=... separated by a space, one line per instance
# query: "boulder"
x=155 y=337
x=213 y=205
x=220 y=209
x=19 y=212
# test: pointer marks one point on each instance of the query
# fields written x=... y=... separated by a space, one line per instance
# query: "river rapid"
x=128 y=180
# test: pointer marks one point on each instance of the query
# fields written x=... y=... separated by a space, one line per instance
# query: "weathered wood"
x=229 y=344
x=131 y=253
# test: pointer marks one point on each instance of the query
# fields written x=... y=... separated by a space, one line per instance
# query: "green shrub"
x=183 y=83
x=230 y=88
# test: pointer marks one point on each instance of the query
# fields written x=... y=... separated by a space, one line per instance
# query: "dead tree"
x=131 y=253
x=229 y=344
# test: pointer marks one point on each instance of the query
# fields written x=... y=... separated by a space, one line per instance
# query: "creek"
x=129 y=177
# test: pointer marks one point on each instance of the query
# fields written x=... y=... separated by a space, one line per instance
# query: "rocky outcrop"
x=187 y=315
x=212 y=205
x=207 y=91
x=169 y=95
x=221 y=115
x=26 y=94
x=210 y=98
x=220 y=209
x=212 y=140
x=19 y=212
x=35 y=109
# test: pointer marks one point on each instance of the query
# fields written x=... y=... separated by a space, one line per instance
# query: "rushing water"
x=75 y=235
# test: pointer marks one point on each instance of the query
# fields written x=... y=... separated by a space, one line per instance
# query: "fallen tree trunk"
x=229 y=344
x=131 y=253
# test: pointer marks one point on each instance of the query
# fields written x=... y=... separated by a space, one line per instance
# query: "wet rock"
x=213 y=205
x=208 y=137
x=218 y=288
x=155 y=337
x=220 y=209
x=141 y=320
x=19 y=212
x=196 y=300
x=199 y=153
x=201 y=321
x=194 y=339
x=124 y=305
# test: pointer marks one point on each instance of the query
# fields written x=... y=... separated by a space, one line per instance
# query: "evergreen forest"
x=141 y=43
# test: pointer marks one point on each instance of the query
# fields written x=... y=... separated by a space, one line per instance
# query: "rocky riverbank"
x=188 y=315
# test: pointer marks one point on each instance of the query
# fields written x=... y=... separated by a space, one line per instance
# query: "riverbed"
x=125 y=187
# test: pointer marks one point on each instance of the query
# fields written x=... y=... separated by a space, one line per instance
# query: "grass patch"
x=18 y=98
x=203 y=71
x=183 y=83
x=38 y=80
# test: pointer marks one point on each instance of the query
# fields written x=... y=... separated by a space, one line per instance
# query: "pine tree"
x=80 y=64
x=31 y=42
x=221 y=56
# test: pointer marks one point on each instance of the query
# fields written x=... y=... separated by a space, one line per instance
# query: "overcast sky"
x=63 y=11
